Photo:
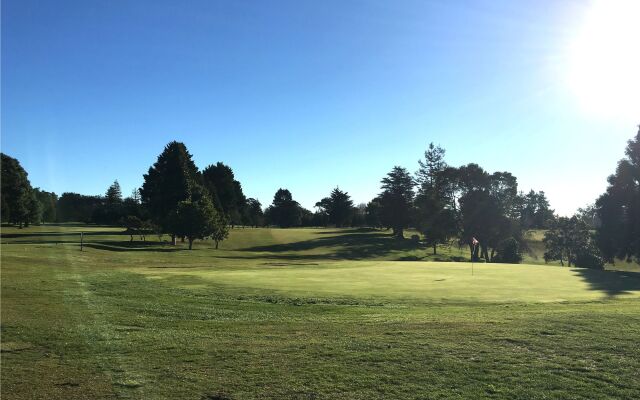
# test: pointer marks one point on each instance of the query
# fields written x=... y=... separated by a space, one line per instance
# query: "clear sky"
x=309 y=95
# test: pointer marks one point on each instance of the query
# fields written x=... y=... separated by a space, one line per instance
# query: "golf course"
x=305 y=313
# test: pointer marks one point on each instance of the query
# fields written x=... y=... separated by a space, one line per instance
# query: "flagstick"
x=472 y=258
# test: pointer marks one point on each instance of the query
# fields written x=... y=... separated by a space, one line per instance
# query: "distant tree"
x=589 y=215
x=471 y=177
x=284 y=211
x=170 y=181
x=307 y=218
x=430 y=172
x=435 y=217
x=74 y=207
x=488 y=207
x=338 y=207
x=132 y=225
x=508 y=251
x=19 y=203
x=534 y=210
x=254 y=212
x=372 y=217
x=618 y=209
x=226 y=191
x=194 y=219
x=220 y=229
x=114 y=193
x=47 y=202
x=396 y=200
x=437 y=223
x=34 y=209
x=111 y=210
x=359 y=215
x=568 y=239
x=504 y=187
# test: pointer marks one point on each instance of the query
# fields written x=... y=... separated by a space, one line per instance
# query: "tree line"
x=442 y=202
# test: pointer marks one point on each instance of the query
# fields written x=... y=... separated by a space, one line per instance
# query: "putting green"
x=412 y=281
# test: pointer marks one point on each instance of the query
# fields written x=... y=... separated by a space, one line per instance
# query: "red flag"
x=474 y=241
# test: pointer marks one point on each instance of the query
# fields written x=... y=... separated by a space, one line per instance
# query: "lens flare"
x=604 y=70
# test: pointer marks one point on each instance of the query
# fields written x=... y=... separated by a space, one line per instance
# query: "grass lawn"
x=305 y=314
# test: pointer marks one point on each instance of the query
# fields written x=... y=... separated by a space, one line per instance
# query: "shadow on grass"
x=150 y=246
x=59 y=234
x=350 y=230
x=350 y=246
x=613 y=283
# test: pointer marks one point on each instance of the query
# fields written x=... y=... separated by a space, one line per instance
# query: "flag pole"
x=474 y=242
x=473 y=254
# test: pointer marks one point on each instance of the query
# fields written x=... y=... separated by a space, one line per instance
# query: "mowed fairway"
x=305 y=314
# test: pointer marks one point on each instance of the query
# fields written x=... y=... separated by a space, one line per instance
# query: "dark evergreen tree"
x=338 y=208
x=284 y=211
x=170 y=180
x=226 y=191
x=618 y=209
x=396 y=200
x=372 y=217
x=254 y=212
x=435 y=217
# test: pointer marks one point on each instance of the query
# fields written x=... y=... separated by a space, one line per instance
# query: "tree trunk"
x=190 y=243
x=131 y=240
x=182 y=239
x=434 y=249
x=216 y=244
x=485 y=253
x=173 y=240
x=493 y=253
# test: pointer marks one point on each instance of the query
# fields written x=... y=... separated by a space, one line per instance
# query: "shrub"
x=508 y=252
x=589 y=257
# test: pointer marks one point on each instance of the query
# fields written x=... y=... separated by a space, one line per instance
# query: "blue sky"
x=304 y=95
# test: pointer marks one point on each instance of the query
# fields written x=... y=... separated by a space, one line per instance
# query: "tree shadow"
x=58 y=234
x=124 y=246
x=350 y=246
x=613 y=283
x=348 y=230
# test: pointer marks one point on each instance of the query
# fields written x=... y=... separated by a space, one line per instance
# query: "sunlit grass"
x=280 y=314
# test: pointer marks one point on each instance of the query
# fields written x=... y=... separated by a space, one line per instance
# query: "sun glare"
x=604 y=71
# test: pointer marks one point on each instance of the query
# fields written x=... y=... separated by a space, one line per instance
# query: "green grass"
x=305 y=314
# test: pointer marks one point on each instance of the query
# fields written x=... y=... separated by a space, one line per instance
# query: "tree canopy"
x=338 y=207
x=284 y=211
x=19 y=202
x=170 y=180
x=618 y=209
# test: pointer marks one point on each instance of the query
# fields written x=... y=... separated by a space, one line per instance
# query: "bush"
x=508 y=252
x=589 y=257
